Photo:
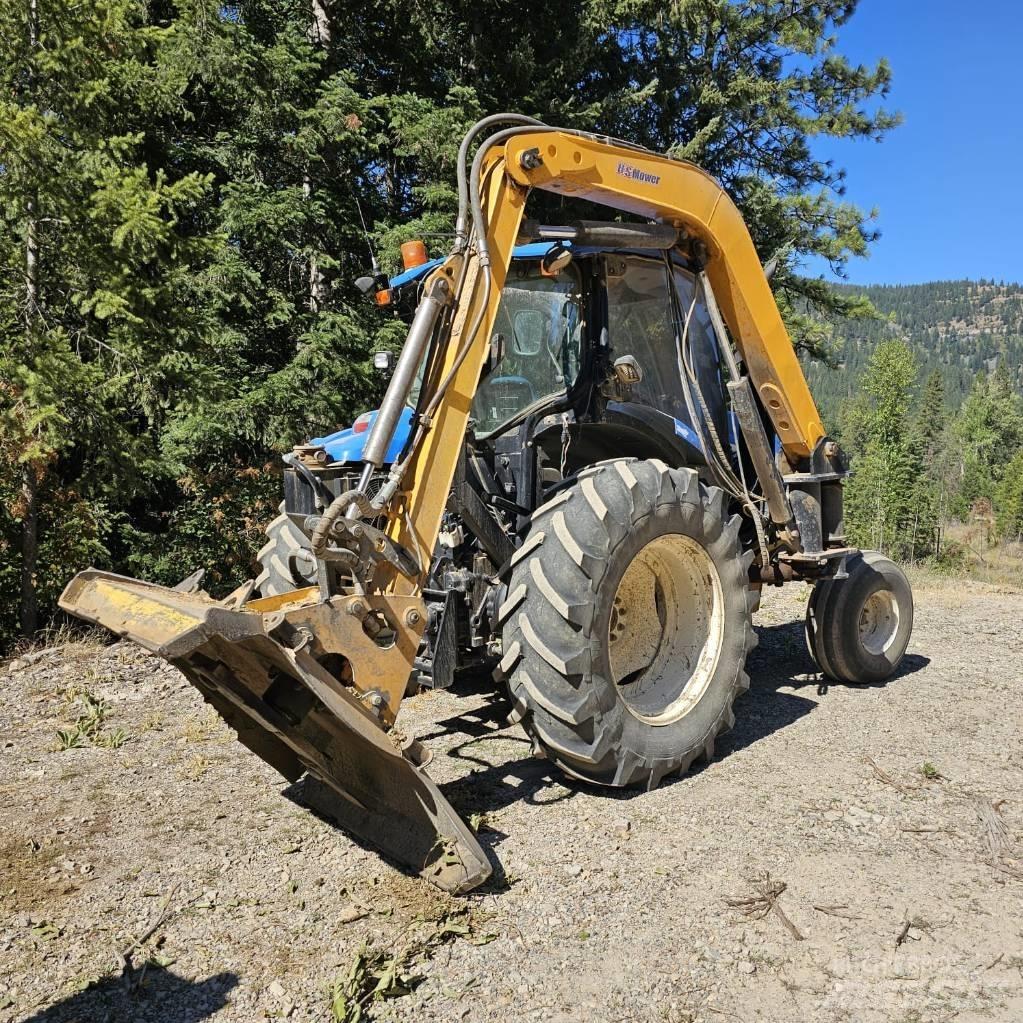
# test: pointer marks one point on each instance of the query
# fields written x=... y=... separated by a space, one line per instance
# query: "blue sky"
x=948 y=183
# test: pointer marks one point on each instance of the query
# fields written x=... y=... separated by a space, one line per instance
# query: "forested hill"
x=961 y=328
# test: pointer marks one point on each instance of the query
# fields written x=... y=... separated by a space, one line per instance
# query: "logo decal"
x=626 y=170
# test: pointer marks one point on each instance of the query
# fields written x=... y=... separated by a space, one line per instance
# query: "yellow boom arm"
x=637 y=182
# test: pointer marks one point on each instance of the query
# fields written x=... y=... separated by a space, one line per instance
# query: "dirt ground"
x=851 y=854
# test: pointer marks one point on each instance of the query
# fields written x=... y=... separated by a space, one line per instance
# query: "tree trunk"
x=321 y=29
x=29 y=616
x=320 y=34
x=317 y=281
x=31 y=213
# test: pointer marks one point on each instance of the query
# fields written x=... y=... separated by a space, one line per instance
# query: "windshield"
x=541 y=326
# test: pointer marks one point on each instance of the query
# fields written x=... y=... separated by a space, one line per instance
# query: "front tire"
x=627 y=623
x=858 y=628
x=285 y=561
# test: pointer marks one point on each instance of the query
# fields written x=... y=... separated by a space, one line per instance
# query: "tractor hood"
x=347 y=446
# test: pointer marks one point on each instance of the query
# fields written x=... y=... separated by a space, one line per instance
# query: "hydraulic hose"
x=462 y=223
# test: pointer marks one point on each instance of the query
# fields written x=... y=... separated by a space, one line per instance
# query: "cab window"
x=540 y=322
x=641 y=323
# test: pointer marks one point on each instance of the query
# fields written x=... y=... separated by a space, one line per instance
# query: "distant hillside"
x=961 y=328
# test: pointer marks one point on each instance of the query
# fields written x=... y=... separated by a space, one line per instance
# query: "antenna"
x=365 y=230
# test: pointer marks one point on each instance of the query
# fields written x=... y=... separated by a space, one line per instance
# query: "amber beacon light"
x=413 y=254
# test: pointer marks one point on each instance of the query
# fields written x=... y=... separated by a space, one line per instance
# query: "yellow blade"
x=257 y=668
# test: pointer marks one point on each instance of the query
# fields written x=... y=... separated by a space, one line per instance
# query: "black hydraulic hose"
x=462 y=223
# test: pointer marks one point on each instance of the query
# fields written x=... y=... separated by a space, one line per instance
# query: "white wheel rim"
x=879 y=622
x=666 y=629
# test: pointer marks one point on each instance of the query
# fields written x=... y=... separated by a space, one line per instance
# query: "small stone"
x=574 y=870
x=621 y=824
x=350 y=914
x=745 y=966
x=276 y=989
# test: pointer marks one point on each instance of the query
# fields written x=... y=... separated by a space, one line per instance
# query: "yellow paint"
x=650 y=186
x=294 y=598
x=428 y=479
x=131 y=604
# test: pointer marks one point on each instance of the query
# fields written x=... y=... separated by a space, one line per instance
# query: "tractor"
x=595 y=448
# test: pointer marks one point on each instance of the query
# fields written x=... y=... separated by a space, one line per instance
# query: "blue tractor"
x=584 y=367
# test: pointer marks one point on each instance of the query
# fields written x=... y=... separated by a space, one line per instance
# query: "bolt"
x=357 y=608
x=375 y=699
x=412 y=617
x=531 y=159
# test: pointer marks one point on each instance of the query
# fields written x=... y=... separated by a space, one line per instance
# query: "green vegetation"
x=919 y=465
x=88 y=728
x=957 y=329
x=181 y=193
x=381 y=973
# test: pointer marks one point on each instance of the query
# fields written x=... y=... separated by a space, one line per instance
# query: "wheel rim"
x=666 y=628
x=879 y=622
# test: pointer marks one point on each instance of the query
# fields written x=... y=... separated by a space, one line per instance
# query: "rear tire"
x=285 y=560
x=858 y=628
x=627 y=623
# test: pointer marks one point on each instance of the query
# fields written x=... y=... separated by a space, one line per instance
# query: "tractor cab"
x=593 y=335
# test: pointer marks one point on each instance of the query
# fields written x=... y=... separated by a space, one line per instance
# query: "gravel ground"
x=850 y=855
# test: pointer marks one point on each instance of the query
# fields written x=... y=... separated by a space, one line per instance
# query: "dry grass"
x=998 y=564
x=202 y=726
x=75 y=638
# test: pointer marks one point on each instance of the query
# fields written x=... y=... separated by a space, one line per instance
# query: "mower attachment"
x=256 y=666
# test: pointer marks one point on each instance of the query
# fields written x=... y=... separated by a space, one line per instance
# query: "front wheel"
x=858 y=628
x=627 y=623
x=285 y=561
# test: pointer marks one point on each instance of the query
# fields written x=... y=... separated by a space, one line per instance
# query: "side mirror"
x=372 y=284
x=383 y=363
x=627 y=371
x=625 y=374
x=556 y=260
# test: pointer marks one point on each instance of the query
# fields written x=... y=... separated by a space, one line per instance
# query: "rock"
x=745 y=966
x=351 y=913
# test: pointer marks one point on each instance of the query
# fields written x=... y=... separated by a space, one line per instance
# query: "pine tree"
x=182 y=191
x=880 y=510
x=97 y=322
x=1009 y=500
x=927 y=446
x=989 y=432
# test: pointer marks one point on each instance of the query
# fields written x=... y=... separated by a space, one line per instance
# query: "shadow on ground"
x=779 y=663
x=144 y=993
x=498 y=776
